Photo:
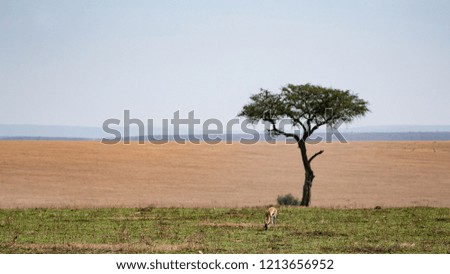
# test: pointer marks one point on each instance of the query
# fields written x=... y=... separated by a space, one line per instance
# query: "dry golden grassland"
x=86 y=174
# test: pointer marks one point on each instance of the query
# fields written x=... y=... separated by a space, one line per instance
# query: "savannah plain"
x=88 y=197
x=85 y=174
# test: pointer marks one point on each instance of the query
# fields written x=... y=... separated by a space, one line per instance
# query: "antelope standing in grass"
x=271 y=217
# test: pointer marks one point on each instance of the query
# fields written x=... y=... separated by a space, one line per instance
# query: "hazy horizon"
x=399 y=132
x=79 y=63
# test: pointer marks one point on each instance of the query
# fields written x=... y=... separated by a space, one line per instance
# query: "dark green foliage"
x=307 y=106
x=288 y=199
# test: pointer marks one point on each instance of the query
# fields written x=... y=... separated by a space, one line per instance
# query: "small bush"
x=287 y=199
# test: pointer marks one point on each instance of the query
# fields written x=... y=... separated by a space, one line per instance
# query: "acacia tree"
x=307 y=107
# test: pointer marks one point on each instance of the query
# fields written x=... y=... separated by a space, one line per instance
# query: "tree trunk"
x=306 y=199
x=309 y=175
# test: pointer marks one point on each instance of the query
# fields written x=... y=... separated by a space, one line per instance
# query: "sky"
x=78 y=63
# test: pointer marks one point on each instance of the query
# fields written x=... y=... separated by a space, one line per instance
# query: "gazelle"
x=271 y=217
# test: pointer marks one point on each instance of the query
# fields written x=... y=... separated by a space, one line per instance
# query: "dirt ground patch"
x=91 y=174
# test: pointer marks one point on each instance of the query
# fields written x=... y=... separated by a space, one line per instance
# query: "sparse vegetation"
x=186 y=230
x=288 y=199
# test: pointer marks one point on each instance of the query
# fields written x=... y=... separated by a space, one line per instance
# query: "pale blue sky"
x=81 y=62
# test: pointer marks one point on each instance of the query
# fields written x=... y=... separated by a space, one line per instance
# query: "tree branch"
x=292 y=135
x=297 y=120
x=317 y=126
x=315 y=155
x=308 y=132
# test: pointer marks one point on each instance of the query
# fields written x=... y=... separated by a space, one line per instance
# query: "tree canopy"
x=307 y=106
